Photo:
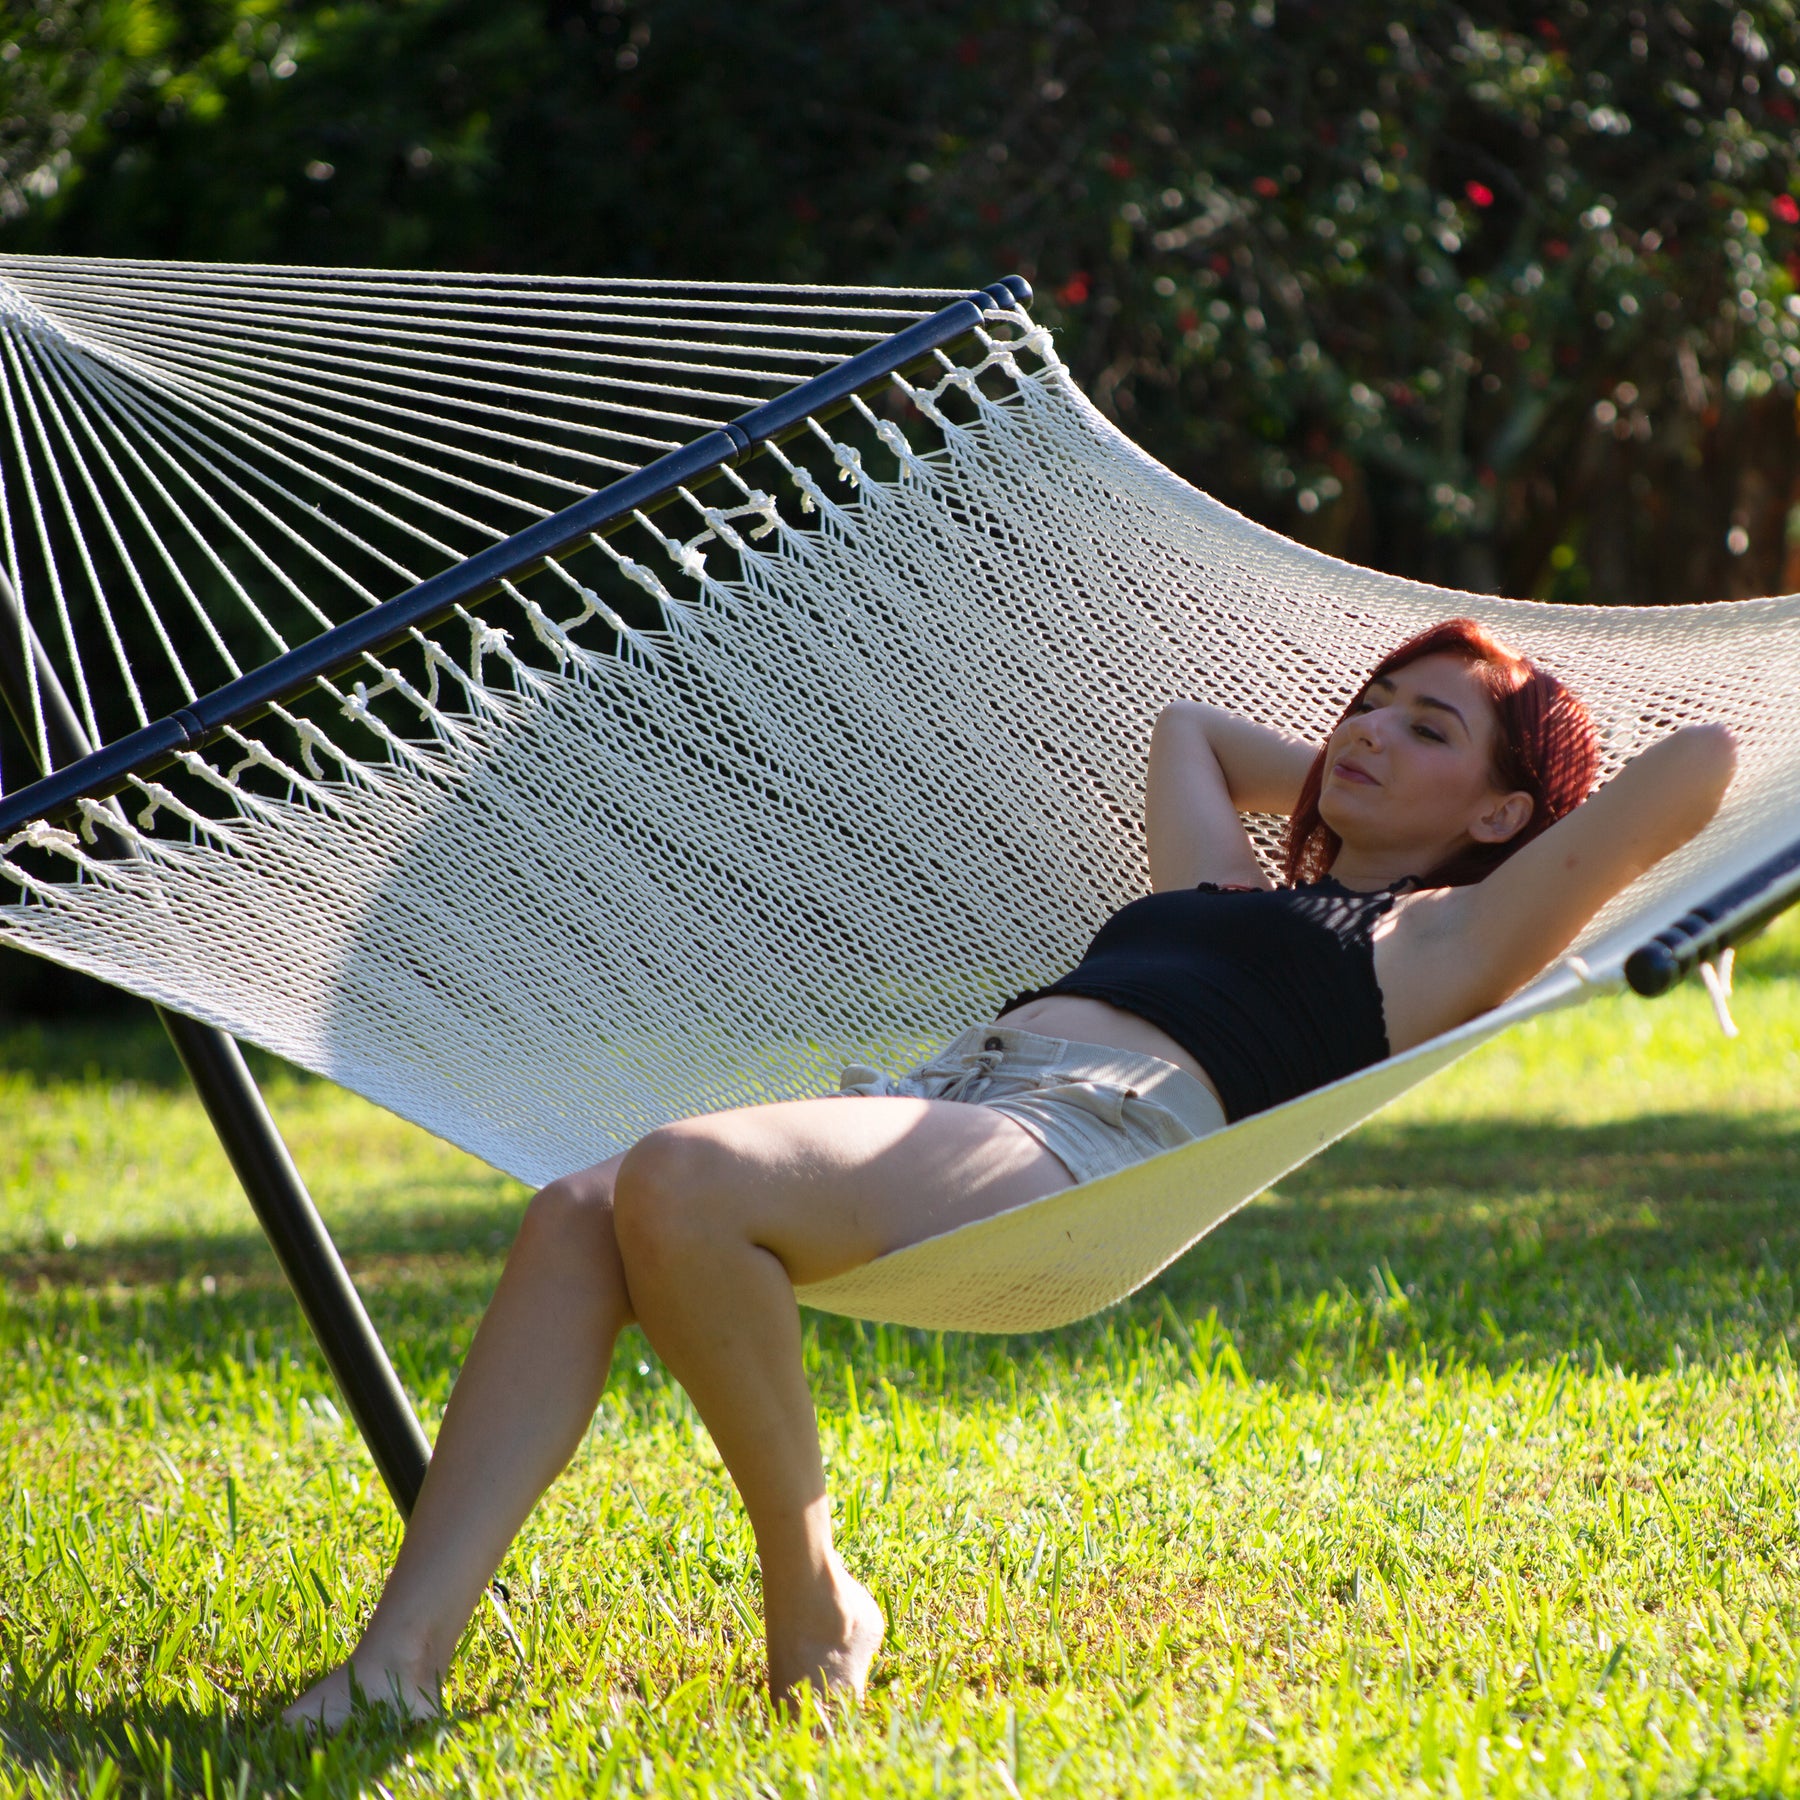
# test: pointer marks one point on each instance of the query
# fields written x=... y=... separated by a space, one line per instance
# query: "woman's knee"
x=574 y=1213
x=666 y=1200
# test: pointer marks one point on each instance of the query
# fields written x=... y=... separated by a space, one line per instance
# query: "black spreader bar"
x=1731 y=915
x=104 y=771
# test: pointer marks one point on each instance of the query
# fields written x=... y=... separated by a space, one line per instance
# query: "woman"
x=1439 y=856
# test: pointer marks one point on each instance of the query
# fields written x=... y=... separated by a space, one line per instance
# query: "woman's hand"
x=1207 y=766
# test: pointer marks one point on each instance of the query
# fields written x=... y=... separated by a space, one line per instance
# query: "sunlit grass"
x=1464 y=1464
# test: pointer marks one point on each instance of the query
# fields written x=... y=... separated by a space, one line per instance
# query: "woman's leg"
x=718 y=1219
x=526 y=1393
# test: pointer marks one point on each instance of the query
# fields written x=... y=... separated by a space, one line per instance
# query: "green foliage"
x=1462 y=1465
x=1501 y=295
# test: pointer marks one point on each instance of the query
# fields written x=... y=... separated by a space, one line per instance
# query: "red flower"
x=1786 y=208
x=1556 y=249
x=1480 y=194
x=1075 y=290
x=968 y=52
x=1117 y=166
x=1187 y=319
x=1267 y=186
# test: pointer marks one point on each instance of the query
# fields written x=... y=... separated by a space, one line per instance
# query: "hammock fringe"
x=831 y=752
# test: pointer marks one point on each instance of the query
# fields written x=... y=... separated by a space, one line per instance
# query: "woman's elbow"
x=1179 y=712
x=1707 y=762
x=1713 y=748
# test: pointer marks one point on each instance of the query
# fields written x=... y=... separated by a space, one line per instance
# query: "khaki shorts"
x=1094 y=1109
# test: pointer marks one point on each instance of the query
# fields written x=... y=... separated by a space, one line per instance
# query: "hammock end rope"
x=1715 y=975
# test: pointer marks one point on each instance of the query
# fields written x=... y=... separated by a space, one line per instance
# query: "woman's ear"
x=1504 y=819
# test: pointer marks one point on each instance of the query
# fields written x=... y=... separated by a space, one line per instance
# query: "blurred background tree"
x=1505 y=297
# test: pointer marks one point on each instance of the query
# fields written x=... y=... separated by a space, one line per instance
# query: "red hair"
x=1545 y=745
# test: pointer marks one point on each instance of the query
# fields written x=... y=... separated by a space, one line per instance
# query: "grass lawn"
x=1463 y=1464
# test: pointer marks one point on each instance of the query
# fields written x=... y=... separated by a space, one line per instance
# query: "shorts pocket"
x=1104 y=1101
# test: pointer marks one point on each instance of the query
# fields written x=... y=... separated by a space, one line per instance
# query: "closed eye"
x=1425 y=731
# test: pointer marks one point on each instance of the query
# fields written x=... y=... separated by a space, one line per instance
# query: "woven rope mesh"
x=833 y=791
x=201 y=464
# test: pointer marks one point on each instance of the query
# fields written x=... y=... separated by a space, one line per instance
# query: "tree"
x=1483 y=295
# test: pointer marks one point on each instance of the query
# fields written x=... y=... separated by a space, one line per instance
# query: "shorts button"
x=995 y=1044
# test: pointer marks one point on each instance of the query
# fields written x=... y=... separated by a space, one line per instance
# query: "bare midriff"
x=1084 y=1021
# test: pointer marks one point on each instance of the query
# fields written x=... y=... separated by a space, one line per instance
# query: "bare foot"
x=407 y=1689
x=828 y=1644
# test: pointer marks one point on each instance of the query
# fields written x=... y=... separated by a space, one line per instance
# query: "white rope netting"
x=201 y=464
x=872 y=761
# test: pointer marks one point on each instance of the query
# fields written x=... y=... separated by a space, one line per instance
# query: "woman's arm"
x=1504 y=930
x=1206 y=766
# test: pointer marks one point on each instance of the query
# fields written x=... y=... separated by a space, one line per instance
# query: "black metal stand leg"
x=303 y=1246
x=308 y=1257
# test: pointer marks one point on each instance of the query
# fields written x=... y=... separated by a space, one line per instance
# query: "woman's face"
x=1410 y=771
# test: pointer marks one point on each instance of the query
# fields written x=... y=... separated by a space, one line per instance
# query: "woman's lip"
x=1350 y=772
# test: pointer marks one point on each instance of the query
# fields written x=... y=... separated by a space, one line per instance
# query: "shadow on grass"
x=1661 y=1239
x=162 y=1748
x=423 y=1219
x=132 y=1048
x=1650 y=1242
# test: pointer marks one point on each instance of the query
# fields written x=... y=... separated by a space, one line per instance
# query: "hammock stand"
x=82 y=781
x=77 y=769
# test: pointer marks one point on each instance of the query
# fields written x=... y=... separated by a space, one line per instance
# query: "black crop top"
x=1272 y=992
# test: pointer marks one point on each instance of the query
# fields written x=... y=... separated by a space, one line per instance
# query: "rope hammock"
x=818 y=729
